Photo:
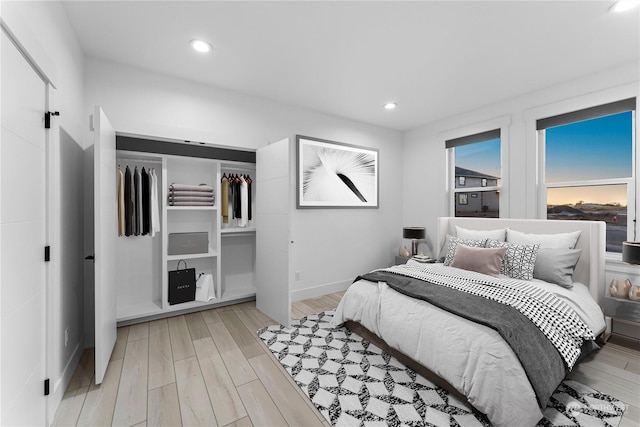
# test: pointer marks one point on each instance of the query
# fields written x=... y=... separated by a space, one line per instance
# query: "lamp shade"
x=413 y=232
x=631 y=252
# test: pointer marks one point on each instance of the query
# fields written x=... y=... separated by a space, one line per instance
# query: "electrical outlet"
x=66 y=337
x=297 y=275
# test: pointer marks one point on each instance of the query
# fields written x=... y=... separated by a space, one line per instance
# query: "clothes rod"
x=132 y=160
x=226 y=169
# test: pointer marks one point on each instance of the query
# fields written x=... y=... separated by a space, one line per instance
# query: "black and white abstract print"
x=336 y=175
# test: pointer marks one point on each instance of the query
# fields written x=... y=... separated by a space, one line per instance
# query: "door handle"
x=90 y=257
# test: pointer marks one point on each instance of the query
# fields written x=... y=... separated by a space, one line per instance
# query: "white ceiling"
x=434 y=58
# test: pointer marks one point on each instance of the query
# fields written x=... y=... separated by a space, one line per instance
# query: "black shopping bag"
x=182 y=284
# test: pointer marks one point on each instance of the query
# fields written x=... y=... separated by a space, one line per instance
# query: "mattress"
x=471 y=357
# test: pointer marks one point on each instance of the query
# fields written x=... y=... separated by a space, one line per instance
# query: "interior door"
x=273 y=235
x=22 y=241
x=105 y=235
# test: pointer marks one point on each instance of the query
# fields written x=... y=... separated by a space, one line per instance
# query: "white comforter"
x=472 y=358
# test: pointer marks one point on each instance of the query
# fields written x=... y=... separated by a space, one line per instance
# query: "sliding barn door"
x=105 y=235
x=273 y=235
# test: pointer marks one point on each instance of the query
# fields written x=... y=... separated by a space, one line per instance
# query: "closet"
x=143 y=261
x=131 y=272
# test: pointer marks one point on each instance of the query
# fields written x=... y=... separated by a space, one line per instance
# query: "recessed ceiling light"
x=200 y=46
x=624 y=5
x=390 y=105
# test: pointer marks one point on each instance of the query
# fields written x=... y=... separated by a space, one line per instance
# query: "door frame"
x=30 y=48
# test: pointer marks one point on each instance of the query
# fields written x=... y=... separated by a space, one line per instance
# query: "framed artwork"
x=335 y=175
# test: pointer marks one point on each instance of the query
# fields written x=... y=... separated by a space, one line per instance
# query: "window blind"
x=470 y=139
x=587 y=114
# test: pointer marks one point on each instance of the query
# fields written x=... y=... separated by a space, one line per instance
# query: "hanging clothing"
x=249 y=181
x=237 y=202
x=137 y=201
x=145 y=203
x=155 y=212
x=129 y=211
x=244 y=213
x=233 y=188
x=224 y=197
x=120 y=202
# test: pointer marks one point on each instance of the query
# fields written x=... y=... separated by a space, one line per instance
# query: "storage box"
x=188 y=243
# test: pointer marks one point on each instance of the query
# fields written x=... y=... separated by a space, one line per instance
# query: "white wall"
x=44 y=32
x=332 y=245
x=424 y=155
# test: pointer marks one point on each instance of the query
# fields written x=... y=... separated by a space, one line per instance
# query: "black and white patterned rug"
x=353 y=382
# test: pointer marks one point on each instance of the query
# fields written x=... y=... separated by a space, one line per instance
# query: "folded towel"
x=191 y=199
x=190 y=193
x=189 y=187
x=190 y=203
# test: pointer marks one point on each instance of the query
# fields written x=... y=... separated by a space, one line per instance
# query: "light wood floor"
x=210 y=368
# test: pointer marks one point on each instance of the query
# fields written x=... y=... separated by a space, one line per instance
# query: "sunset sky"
x=594 y=149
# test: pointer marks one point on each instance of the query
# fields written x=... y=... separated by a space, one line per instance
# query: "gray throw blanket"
x=541 y=361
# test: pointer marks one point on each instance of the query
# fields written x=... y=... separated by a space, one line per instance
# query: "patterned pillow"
x=519 y=261
x=455 y=241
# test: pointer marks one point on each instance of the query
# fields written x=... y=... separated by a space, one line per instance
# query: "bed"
x=472 y=358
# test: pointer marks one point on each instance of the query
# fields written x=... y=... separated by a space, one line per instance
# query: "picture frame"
x=333 y=174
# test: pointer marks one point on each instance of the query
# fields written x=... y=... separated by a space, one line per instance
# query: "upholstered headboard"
x=590 y=267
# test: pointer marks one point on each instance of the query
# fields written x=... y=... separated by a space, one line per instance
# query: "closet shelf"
x=192 y=208
x=238 y=230
x=210 y=254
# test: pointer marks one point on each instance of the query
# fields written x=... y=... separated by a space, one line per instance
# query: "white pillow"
x=498 y=234
x=549 y=241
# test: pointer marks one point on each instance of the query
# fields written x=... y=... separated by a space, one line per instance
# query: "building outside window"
x=477 y=172
x=588 y=169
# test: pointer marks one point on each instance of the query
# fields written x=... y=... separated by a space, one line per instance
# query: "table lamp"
x=631 y=252
x=415 y=234
x=631 y=255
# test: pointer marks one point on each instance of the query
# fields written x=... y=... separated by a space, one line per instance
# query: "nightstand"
x=401 y=259
x=622 y=314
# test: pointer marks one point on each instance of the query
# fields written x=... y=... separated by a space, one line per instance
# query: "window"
x=477 y=171
x=588 y=168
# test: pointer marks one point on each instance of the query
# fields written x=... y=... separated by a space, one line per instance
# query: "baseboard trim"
x=60 y=385
x=317 y=291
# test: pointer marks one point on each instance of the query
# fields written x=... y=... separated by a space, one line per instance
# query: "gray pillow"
x=519 y=260
x=556 y=265
x=455 y=241
x=482 y=260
